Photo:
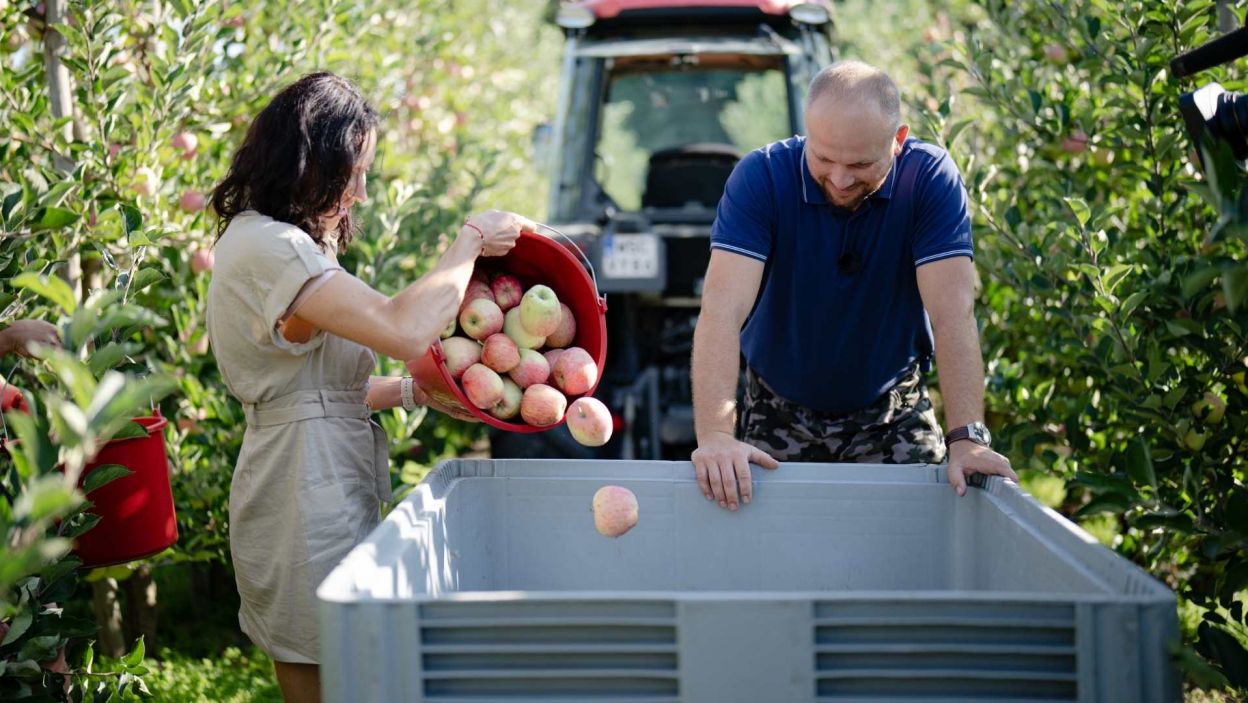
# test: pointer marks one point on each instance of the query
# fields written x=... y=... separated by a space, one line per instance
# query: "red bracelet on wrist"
x=479 y=232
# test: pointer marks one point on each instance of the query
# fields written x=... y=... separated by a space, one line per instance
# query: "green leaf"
x=51 y=288
x=1107 y=503
x=54 y=218
x=1115 y=274
x=81 y=525
x=1133 y=301
x=1227 y=651
x=19 y=626
x=956 y=129
x=1199 y=671
x=1235 y=286
x=135 y=656
x=1080 y=208
x=103 y=475
x=130 y=430
x=1140 y=463
x=105 y=358
x=146 y=277
x=131 y=217
x=1200 y=280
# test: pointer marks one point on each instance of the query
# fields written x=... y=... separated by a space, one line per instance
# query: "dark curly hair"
x=298 y=157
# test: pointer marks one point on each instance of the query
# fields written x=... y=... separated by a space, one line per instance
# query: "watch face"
x=979 y=433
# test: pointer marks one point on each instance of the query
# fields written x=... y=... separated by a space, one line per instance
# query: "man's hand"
x=966 y=458
x=21 y=334
x=722 y=464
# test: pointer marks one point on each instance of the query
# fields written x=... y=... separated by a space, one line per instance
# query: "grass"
x=236 y=676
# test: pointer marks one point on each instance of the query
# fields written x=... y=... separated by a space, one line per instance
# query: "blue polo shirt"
x=820 y=337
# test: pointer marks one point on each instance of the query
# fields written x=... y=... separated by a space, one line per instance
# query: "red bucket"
x=136 y=512
x=535 y=259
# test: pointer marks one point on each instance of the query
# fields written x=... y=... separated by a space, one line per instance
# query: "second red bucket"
x=536 y=259
x=136 y=512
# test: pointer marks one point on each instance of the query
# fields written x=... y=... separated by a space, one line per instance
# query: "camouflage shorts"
x=899 y=428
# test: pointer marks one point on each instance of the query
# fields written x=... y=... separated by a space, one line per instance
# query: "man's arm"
x=947 y=287
x=721 y=462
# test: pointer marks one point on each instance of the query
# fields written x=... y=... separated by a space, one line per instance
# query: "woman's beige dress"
x=313 y=467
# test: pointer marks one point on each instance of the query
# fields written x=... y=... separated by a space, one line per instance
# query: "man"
x=840 y=262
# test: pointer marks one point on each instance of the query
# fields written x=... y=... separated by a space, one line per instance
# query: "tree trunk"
x=61 y=104
x=108 y=614
x=141 y=607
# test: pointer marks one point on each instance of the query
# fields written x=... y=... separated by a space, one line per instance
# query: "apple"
x=449 y=331
x=575 y=372
x=202 y=260
x=589 y=421
x=1075 y=143
x=1210 y=408
x=1194 y=440
x=460 y=353
x=507 y=291
x=18 y=38
x=542 y=405
x=500 y=353
x=476 y=290
x=483 y=386
x=615 y=510
x=200 y=346
x=192 y=201
x=509 y=406
x=566 y=331
x=1056 y=53
x=1102 y=156
x=531 y=369
x=539 y=311
x=481 y=318
x=145 y=182
x=185 y=142
x=552 y=356
x=515 y=329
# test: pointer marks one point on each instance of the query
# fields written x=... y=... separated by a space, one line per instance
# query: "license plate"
x=630 y=256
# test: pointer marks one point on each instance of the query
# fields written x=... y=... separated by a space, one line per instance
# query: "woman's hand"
x=497 y=230
x=18 y=336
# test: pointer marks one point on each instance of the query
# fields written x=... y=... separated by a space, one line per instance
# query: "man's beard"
x=858 y=198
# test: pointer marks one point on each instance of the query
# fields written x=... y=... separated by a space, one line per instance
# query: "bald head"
x=854 y=86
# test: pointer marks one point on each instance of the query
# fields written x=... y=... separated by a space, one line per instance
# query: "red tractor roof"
x=607 y=9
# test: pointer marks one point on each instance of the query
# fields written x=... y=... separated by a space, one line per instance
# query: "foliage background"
x=1111 y=305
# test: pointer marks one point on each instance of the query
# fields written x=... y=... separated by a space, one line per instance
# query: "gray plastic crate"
x=838 y=583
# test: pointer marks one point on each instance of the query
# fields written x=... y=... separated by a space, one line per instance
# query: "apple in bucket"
x=531 y=370
x=513 y=328
x=509 y=406
x=500 y=353
x=481 y=318
x=483 y=386
x=507 y=291
x=540 y=312
x=565 y=332
x=542 y=405
x=461 y=353
x=575 y=371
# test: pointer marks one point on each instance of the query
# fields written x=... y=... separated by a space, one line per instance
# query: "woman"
x=294 y=337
